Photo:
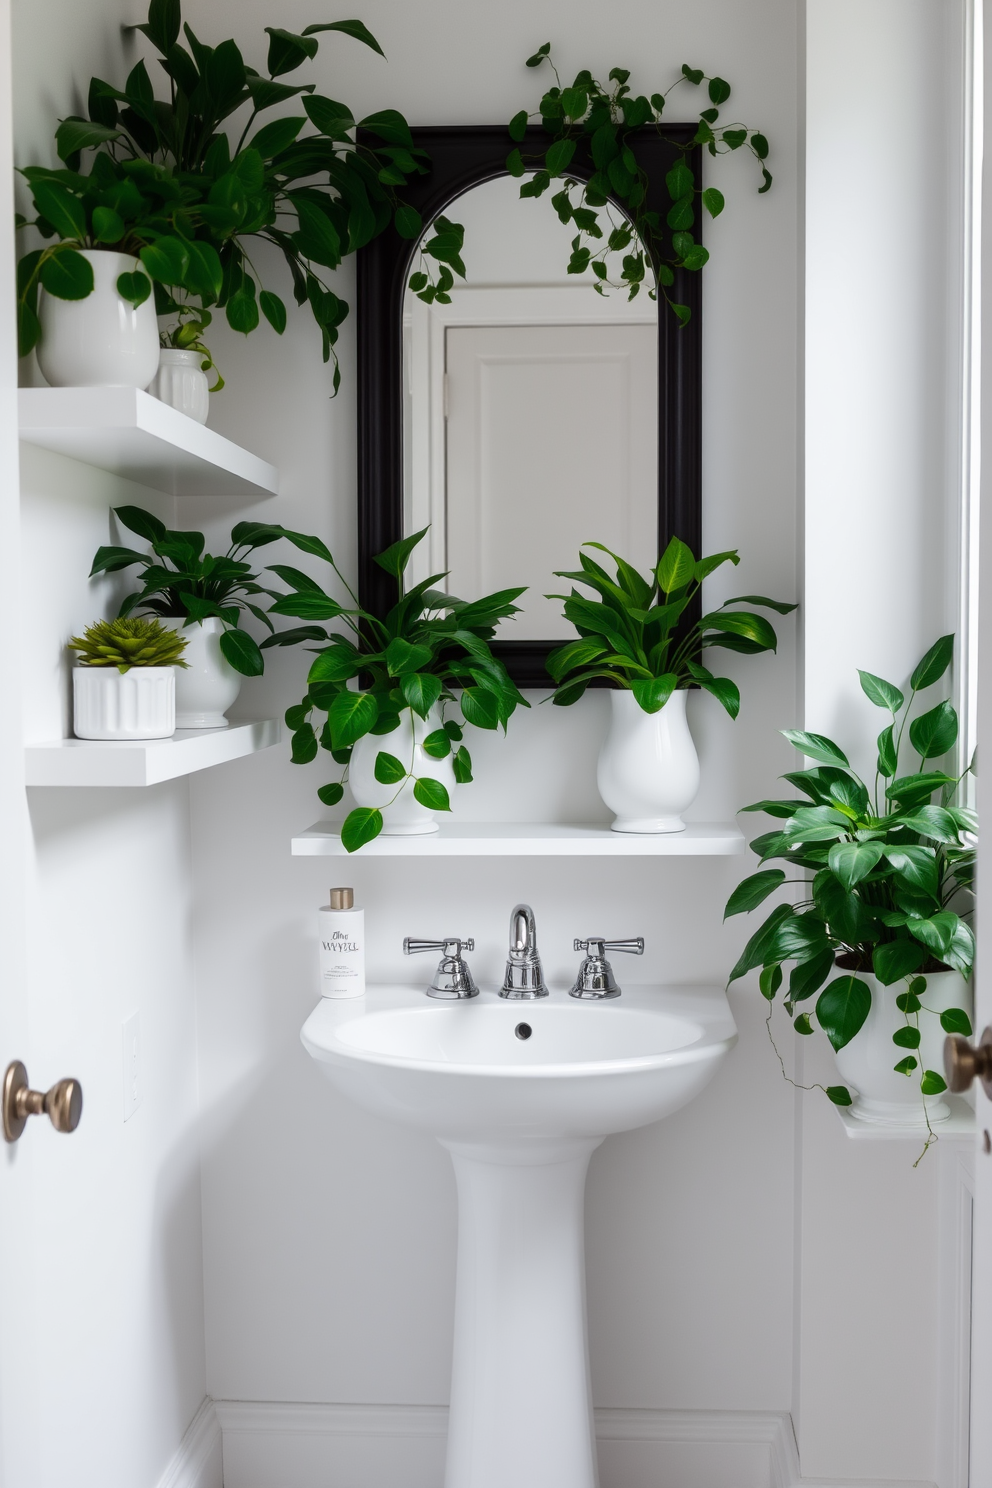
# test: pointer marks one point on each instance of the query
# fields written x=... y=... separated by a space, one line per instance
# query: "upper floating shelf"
x=530 y=840
x=134 y=435
x=144 y=761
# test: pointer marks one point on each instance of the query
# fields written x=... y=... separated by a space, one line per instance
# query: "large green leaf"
x=896 y=959
x=352 y=714
x=58 y=206
x=388 y=769
x=842 y=1009
x=883 y=694
x=853 y=861
x=287 y=51
x=404 y=656
x=73 y=135
x=360 y=826
x=816 y=746
x=242 y=651
x=432 y=794
x=652 y=693
x=421 y=691
x=356 y=29
x=167 y=259
x=752 y=628
x=934 y=733
x=935 y=933
x=809 y=976
x=67 y=275
x=916 y=866
x=815 y=824
x=338 y=663
x=141 y=522
x=676 y=567
x=396 y=557
x=934 y=664
x=754 y=953
x=751 y=892
x=480 y=708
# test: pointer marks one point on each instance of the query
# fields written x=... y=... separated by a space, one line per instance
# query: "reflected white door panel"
x=551 y=442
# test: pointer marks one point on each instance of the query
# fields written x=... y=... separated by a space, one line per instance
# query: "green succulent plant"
x=129 y=643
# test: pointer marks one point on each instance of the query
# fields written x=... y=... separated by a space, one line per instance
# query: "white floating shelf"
x=960 y=1125
x=132 y=434
x=529 y=840
x=144 y=761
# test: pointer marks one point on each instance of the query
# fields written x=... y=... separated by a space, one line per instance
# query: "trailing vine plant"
x=607 y=117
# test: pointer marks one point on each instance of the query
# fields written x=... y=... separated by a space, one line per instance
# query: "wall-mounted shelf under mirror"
x=529 y=840
x=131 y=434
x=960 y=1125
x=144 y=761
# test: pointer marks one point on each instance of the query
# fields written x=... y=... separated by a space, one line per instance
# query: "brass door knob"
x=962 y=1063
x=63 y=1104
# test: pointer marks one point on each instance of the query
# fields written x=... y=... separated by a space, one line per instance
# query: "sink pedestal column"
x=521 y=1411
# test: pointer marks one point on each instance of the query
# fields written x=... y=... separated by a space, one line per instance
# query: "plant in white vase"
x=885 y=875
x=124 y=682
x=633 y=636
x=399 y=753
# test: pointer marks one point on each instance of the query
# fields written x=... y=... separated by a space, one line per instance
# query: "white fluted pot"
x=102 y=340
x=403 y=816
x=181 y=383
x=209 y=685
x=881 y=1097
x=648 y=771
x=137 y=704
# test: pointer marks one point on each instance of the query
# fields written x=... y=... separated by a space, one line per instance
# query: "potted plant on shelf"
x=123 y=685
x=629 y=636
x=399 y=753
x=170 y=186
x=203 y=597
x=885 y=875
x=184 y=361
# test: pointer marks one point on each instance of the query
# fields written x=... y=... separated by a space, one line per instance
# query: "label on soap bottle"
x=342 y=949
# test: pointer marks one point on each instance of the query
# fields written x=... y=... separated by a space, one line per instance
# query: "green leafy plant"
x=887 y=873
x=186 y=334
x=170 y=185
x=179 y=580
x=123 y=644
x=428 y=644
x=630 y=636
x=608 y=118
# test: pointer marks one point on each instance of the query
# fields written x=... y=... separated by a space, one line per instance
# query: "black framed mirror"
x=464 y=158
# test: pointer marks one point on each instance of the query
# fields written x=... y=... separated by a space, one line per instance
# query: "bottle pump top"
x=342 y=898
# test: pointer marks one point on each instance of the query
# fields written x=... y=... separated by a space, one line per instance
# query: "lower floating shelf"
x=144 y=761
x=529 y=840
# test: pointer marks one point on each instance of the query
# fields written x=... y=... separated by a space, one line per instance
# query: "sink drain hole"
x=523 y=1030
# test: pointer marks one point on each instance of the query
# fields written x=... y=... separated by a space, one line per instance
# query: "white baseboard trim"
x=272 y=1445
x=199 y=1460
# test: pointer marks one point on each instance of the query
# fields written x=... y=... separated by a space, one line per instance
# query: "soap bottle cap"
x=342 y=898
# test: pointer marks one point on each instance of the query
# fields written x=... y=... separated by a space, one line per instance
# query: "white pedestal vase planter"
x=881 y=1097
x=404 y=816
x=137 y=704
x=103 y=340
x=209 y=685
x=180 y=382
x=648 y=771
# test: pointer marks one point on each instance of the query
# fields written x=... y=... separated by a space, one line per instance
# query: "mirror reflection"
x=530 y=413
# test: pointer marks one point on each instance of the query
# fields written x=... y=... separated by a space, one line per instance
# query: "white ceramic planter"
x=881 y=1097
x=209 y=685
x=180 y=383
x=648 y=771
x=101 y=341
x=137 y=704
x=404 y=816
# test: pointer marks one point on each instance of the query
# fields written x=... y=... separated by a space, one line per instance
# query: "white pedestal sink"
x=521 y=1094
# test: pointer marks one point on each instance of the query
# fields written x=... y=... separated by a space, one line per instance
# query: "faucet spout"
x=524 y=975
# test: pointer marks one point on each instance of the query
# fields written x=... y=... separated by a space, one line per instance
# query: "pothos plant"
x=428 y=644
x=174 y=183
x=607 y=117
x=885 y=873
x=178 y=580
x=630 y=635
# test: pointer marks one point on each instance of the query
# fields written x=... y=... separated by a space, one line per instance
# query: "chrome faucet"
x=453 y=979
x=524 y=977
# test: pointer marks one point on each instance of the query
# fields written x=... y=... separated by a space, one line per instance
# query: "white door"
x=569 y=411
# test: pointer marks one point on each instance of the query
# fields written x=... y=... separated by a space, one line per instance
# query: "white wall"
x=328 y=1236
x=115 y=1209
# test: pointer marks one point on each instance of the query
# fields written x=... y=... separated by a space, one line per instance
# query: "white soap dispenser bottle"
x=342 y=946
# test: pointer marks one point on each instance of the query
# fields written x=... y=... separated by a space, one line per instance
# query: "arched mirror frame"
x=464 y=157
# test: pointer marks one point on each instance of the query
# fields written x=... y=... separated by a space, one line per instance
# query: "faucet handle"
x=634 y=947
x=453 y=979
x=595 y=978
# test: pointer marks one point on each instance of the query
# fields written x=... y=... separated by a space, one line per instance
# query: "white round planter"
x=881 y=1097
x=404 y=816
x=137 y=704
x=101 y=341
x=648 y=771
x=180 y=382
x=209 y=685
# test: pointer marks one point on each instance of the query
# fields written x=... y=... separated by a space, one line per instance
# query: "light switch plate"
x=132 y=1065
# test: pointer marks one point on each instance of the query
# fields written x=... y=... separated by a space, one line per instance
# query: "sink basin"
x=521 y=1093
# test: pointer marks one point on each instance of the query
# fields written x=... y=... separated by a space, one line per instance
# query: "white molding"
x=199 y=1461
x=268 y=1444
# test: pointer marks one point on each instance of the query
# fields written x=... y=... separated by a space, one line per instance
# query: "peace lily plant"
x=884 y=879
x=407 y=667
